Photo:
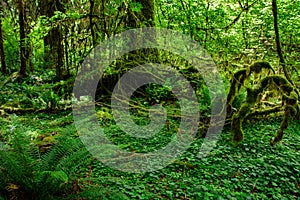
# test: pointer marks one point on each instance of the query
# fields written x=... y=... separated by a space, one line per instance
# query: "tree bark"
x=66 y=42
x=22 y=38
x=28 y=15
x=134 y=20
x=146 y=16
x=2 y=52
x=59 y=52
x=46 y=10
x=278 y=45
x=92 y=4
x=277 y=37
x=53 y=42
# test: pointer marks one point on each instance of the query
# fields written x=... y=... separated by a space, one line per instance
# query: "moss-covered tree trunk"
x=277 y=37
x=22 y=37
x=278 y=46
x=92 y=5
x=2 y=52
x=29 y=15
x=277 y=40
x=47 y=10
x=53 y=42
x=59 y=50
x=145 y=17
x=135 y=19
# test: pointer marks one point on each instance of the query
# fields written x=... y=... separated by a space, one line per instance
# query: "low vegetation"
x=253 y=45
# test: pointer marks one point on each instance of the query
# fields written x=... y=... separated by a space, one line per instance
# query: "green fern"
x=26 y=174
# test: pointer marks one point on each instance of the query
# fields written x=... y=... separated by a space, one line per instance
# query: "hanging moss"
x=235 y=85
x=291 y=110
x=289 y=98
x=297 y=106
x=240 y=77
x=284 y=124
x=264 y=112
x=277 y=84
x=259 y=66
x=278 y=81
x=238 y=118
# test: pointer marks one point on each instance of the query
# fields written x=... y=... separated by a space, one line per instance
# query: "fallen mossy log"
x=21 y=111
x=290 y=106
x=11 y=110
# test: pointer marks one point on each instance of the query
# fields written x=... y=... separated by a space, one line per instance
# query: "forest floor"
x=251 y=170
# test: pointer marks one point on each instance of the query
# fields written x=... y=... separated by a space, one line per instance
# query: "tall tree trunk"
x=146 y=16
x=22 y=38
x=2 y=52
x=244 y=24
x=66 y=42
x=141 y=19
x=53 y=42
x=134 y=20
x=206 y=24
x=46 y=10
x=28 y=14
x=278 y=45
x=92 y=5
x=277 y=37
x=59 y=52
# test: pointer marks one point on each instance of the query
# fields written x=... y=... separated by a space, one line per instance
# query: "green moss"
x=289 y=99
x=240 y=77
x=284 y=124
x=257 y=67
x=238 y=118
x=236 y=83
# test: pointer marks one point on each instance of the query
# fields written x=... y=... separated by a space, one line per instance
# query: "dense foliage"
x=256 y=47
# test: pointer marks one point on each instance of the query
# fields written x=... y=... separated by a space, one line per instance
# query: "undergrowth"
x=251 y=170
